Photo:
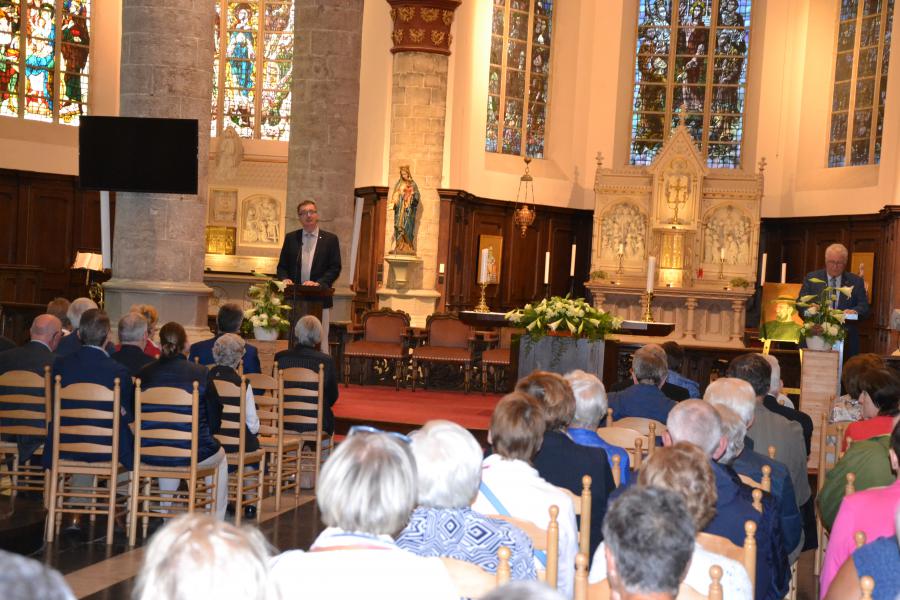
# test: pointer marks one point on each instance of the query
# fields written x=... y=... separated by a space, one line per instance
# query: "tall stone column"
x=422 y=41
x=159 y=247
x=325 y=107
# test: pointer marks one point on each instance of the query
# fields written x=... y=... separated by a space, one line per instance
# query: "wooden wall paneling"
x=9 y=205
x=370 y=255
x=48 y=232
x=887 y=288
x=561 y=238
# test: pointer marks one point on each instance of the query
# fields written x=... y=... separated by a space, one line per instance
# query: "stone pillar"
x=421 y=50
x=325 y=100
x=159 y=243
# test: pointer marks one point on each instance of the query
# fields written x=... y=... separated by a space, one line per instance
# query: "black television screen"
x=130 y=154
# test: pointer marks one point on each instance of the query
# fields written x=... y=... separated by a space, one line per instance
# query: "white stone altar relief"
x=222 y=207
x=229 y=154
x=624 y=230
x=728 y=232
x=261 y=221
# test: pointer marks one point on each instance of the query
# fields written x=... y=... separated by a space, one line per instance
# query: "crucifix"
x=676 y=193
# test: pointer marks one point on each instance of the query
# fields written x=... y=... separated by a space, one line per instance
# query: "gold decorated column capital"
x=422 y=25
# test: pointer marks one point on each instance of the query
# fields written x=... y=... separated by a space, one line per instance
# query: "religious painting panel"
x=494 y=246
x=778 y=319
x=863 y=264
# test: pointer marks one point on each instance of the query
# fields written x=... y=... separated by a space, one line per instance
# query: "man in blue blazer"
x=834 y=275
x=644 y=398
x=228 y=320
x=91 y=364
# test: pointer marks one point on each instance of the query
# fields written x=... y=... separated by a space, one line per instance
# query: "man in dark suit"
x=834 y=275
x=671 y=390
x=46 y=331
x=133 y=332
x=91 y=364
x=228 y=320
x=644 y=398
x=6 y=343
x=308 y=332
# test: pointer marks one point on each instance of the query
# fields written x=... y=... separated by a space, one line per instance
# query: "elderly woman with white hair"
x=448 y=463
x=366 y=493
x=590 y=409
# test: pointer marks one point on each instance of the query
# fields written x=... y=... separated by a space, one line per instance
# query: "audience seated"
x=511 y=486
x=308 y=335
x=649 y=543
x=683 y=469
x=227 y=353
x=90 y=364
x=6 y=343
x=228 y=320
x=675 y=360
x=560 y=460
x=524 y=590
x=879 y=398
x=196 y=556
x=863 y=511
x=846 y=407
x=590 y=408
x=670 y=390
x=366 y=494
x=880 y=560
x=23 y=578
x=151 y=348
x=736 y=402
x=174 y=370
x=59 y=308
x=644 y=398
x=770 y=401
x=70 y=343
x=448 y=467
x=33 y=357
x=133 y=334
x=697 y=422
x=771 y=429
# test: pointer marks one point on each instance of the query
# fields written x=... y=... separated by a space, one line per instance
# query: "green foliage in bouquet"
x=573 y=316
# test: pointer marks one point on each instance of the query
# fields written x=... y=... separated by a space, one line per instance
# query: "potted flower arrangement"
x=266 y=314
x=562 y=334
x=823 y=326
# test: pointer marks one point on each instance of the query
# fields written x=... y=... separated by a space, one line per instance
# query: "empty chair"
x=448 y=340
x=384 y=336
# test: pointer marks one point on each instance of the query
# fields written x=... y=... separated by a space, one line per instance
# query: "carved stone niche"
x=702 y=225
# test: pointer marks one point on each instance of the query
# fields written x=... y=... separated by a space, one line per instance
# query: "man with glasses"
x=834 y=275
x=311 y=256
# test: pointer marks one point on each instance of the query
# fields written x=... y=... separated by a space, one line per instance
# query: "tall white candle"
x=762 y=271
x=721 y=253
x=441 y=269
x=483 y=267
x=354 y=240
x=651 y=273
x=783 y=272
x=546 y=268
x=572 y=266
x=621 y=248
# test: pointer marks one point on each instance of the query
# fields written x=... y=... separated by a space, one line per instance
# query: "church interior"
x=687 y=167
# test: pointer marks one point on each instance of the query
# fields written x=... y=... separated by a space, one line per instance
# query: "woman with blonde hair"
x=150 y=313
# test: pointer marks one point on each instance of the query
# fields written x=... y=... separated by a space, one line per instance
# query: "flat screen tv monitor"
x=131 y=154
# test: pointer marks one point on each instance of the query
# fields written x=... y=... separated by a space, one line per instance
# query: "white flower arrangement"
x=819 y=319
x=572 y=316
x=268 y=306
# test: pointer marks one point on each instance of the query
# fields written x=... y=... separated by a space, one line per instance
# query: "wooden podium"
x=305 y=300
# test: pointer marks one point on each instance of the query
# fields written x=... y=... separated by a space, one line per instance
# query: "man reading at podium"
x=312 y=257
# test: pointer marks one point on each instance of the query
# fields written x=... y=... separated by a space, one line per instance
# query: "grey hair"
x=308 y=331
x=229 y=350
x=649 y=364
x=368 y=485
x=524 y=590
x=23 y=578
x=736 y=394
x=734 y=430
x=448 y=463
x=696 y=422
x=650 y=536
x=197 y=556
x=77 y=308
x=838 y=248
x=132 y=328
x=775 y=378
x=590 y=399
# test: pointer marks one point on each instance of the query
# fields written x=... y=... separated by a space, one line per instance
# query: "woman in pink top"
x=868 y=511
x=879 y=397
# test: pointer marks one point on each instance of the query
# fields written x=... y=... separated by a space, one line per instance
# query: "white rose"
x=812 y=310
x=276 y=301
x=254 y=320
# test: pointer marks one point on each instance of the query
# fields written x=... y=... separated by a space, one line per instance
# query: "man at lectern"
x=311 y=256
x=835 y=276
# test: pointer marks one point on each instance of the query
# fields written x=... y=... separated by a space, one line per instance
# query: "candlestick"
x=651 y=273
x=621 y=269
x=722 y=266
x=762 y=271
x=648 y=313
x=546 y=268
x=572 y=266
x=784 y=272
x=482 y=306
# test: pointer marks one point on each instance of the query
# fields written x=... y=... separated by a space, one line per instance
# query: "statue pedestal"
x=418 y=304
x=400 y=268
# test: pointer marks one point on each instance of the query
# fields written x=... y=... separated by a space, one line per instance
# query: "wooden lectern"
x=305 y=300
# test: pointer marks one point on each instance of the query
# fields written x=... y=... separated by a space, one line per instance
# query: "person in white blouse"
x=684 y=469
x=366 y=493
x=510 y=486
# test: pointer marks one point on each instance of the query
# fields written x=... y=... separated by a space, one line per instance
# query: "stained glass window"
x=519 y=79
x=254 y=46
x=48 y=42
x=860 y=82
x=691 y=56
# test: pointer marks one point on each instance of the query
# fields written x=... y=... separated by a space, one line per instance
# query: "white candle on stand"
x=762 y=271
x=651 y=273
x=483 y=267
x=546 y=268
x=721 y=253
x=783 y=272
x=621 y=248
x=572 y=266
x=441 y=269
